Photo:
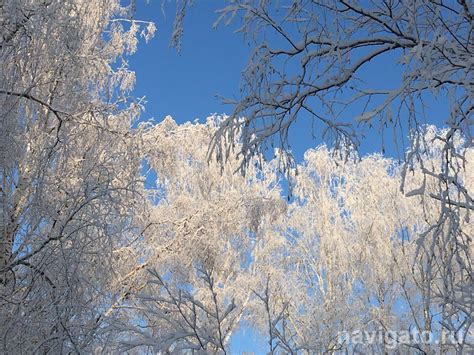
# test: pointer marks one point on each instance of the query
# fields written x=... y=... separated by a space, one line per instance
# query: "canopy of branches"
x=117 y=235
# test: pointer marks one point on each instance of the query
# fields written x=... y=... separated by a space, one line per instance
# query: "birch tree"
x=69 y=168
x=204 y=226
x=309 y=57
x=349 y=258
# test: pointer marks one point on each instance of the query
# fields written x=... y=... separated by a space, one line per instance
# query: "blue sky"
x=186 y=85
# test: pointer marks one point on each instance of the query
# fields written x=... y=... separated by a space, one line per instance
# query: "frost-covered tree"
x=204 y=226
x=353 y=255
x=69 y=168
x=311 y=58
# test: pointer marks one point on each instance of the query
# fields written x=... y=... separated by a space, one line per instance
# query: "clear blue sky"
x=185 y=85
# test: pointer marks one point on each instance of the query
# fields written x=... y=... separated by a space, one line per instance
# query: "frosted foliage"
x=225 y=250
x=69 y=169
x=346 y=258
x=203 y=230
